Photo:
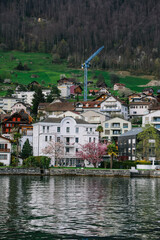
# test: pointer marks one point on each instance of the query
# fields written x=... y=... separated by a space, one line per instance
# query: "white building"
x=115 y=127
x=152 y=118
x=71 y=132
x=28 y=96
x=138 y=109
x=113 y=105
x=6 y=103
x=5 y=151
x=17 y=107
x=65 y=90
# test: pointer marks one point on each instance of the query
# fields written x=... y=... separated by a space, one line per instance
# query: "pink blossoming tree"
x=92 y=152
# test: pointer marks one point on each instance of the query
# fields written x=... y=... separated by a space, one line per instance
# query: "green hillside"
x=40 y=64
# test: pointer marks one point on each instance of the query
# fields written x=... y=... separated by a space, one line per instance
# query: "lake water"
x=33 y=207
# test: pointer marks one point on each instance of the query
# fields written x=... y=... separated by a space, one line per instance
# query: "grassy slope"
x=41 y=65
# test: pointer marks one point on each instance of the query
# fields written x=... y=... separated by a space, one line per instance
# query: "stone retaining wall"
x=20 y=171
x=78 y=172
x=90 y=172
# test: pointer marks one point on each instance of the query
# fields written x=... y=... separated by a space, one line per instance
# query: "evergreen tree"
x=38 y=97
x=26 y=150
x=55 y=92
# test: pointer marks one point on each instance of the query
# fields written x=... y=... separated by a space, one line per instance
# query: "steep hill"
x=129 y=30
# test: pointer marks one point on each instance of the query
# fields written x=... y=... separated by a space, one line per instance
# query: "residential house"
x=66 y=81
x=134 y=97
x=152 y=118
x=95 y=117
x=26 y=132
x=14 y=121
x=71 y=132
x=127 y=145
x=114 y=106
x=118 y=86
x=74 y=90
x=6 y=103
x=87 y=105
x=72 y=114
x=138 y=109
x=101 y=97
x=56 y=108
x=93 y=92
x=148 y=91
x=114 y=127
x=5 y=151
x=17 y=107
x=64 y=90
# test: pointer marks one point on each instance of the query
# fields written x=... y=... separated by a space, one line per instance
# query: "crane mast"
x=86 y=65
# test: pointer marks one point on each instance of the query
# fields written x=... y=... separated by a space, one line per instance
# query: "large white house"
x=69 y=131
x=115 y=127
x=5 y=151
x=138 y=109
x=113 y=105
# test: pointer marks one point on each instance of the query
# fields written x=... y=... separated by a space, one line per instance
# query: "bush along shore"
x=78 y=172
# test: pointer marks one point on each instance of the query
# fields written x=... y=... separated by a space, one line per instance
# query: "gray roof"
x=58 y=120
x=132 y=132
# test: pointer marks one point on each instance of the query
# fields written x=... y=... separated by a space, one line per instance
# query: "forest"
x=74 y=29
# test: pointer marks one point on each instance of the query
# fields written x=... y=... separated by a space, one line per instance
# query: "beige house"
x=115 y=127
x=93 y=116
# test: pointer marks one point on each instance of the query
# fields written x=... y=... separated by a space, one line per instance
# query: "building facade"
x=5 y=151
x=115 y=127
x=72 y=133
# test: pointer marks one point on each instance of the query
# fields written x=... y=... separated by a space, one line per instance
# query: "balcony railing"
x=4 y=150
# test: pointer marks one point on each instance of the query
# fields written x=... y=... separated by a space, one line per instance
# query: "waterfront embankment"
x=79 y=172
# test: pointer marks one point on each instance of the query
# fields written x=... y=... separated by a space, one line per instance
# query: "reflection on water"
x=79 y=208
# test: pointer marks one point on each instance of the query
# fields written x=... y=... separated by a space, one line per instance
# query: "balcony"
x=3 y=150
x=69 y=144
x=110 y=110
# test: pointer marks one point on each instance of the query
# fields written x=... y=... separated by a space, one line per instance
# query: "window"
x=107 y=132
x=86 y=129
x=47 y=129
x=43 y=129
x=67 y=150
x=90 y=129
x=50 y=138
x=77 y=130
x=58 y=129
x=76 y=150
x=106 y=125
x=125 y=125
x=58 y=139
x=3 y=156
x=2 y=146
x=77 y=140
x=67 y=129
x=94 y=139
x=89 y=139
x=46 y=138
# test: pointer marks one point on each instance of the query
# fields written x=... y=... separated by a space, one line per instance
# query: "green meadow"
x=40 y=64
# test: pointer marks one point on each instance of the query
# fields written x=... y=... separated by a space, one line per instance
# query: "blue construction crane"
x=86 y=65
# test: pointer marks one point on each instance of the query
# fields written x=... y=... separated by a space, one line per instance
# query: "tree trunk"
x=111 y=162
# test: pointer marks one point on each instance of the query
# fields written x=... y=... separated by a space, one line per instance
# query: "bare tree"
x=55 y=150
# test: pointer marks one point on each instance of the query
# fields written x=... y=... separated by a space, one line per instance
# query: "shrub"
x=144 y=162
x=1 y=164
x=39 y=161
